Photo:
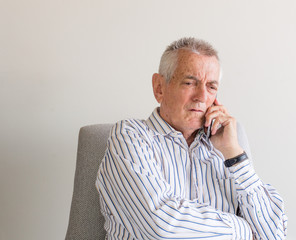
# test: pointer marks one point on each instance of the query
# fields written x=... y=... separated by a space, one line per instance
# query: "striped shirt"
x=153 y=185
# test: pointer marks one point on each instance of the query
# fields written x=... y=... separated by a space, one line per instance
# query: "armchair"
x=86 y=221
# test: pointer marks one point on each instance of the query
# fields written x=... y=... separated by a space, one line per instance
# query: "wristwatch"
x=240 y=158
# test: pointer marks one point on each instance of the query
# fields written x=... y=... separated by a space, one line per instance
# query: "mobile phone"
x=210 y=129
x=209 y=134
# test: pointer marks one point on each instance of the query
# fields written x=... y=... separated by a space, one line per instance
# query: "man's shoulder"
x=130 y=125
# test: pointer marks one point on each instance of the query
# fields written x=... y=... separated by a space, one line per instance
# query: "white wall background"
x=65 y=64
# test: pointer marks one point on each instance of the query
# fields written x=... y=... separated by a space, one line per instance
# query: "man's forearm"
x=260 y=204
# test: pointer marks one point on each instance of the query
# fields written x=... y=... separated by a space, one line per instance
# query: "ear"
x=158 y=84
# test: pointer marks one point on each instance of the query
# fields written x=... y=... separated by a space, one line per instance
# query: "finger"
x=220 y=108
x=220 y=119
x=224 y=121
x=216 y=102
x=215 y=126
x=214 y=108
x=208 y=121
x=212 y=115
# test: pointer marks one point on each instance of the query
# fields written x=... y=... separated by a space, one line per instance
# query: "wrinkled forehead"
x=196 y=63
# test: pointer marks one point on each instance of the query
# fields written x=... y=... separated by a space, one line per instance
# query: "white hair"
x=169 y=58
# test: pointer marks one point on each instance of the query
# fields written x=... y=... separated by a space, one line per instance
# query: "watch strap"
x=232 y=161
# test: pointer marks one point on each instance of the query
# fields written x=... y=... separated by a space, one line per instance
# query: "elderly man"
x=164 y=178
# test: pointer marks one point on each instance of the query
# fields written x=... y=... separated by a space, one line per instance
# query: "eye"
x=213 y=87
x=189 y=82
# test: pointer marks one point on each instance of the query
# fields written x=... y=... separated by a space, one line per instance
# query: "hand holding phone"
x=222 y=126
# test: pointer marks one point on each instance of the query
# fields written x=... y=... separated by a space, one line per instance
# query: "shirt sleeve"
x=260 y=204
x=140 y=200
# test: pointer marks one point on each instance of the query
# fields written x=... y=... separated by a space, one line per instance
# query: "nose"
x=200 y=93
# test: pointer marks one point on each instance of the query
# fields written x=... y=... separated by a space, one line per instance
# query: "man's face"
x=191 y=90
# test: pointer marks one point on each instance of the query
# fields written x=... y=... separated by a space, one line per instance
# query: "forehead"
x=197 y=64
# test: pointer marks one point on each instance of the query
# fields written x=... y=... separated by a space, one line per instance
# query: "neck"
x=189 y=137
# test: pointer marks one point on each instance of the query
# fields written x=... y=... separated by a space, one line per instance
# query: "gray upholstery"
x=86 y=221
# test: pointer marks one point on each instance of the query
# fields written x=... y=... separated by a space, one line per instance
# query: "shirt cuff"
x=245 y=177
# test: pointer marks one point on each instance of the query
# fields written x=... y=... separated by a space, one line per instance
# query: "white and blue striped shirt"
x=153 y=186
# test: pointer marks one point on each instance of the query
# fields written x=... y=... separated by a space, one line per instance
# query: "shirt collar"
x=203 y=138
x=161 y=127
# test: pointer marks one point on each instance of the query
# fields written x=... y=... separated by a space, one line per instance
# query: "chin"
x=196 y=121
x=195 y=125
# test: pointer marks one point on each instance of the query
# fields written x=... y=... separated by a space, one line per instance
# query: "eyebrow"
x=196 y=79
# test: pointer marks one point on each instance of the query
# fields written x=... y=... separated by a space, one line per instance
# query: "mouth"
x=196 y=110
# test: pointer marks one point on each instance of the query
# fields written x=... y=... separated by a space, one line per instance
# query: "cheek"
x=177 y=99
x=210 y=101
x=185 y=96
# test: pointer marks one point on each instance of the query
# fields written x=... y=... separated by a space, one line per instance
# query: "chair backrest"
x=86 y=221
